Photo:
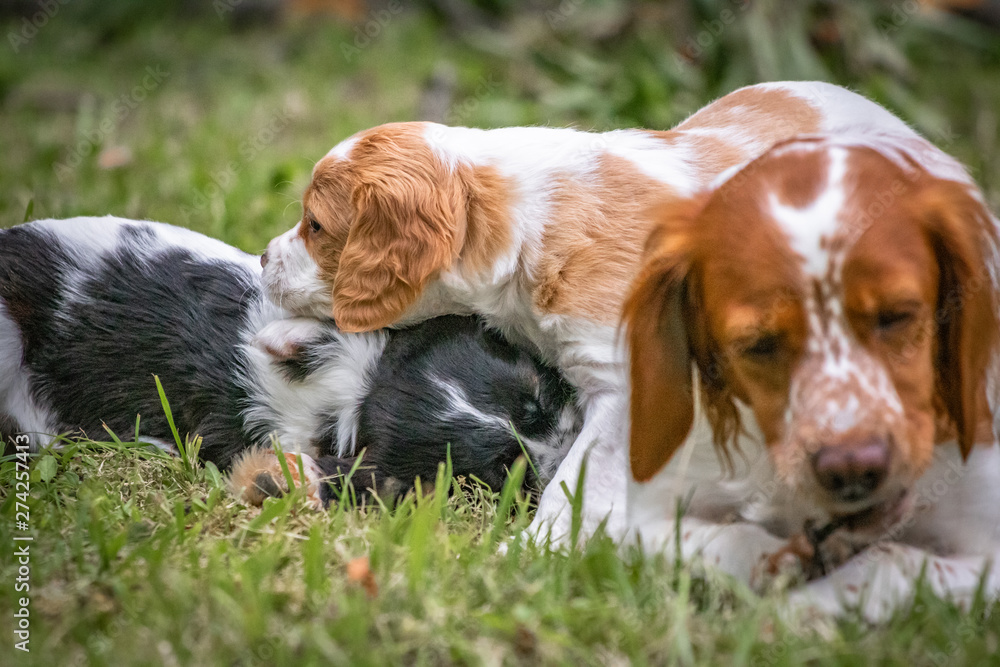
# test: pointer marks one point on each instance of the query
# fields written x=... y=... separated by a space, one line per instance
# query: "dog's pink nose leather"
x=852 y=471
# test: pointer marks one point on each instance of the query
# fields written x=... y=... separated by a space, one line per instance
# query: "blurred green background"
x=210 y=114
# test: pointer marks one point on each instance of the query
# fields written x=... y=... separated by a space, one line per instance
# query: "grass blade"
x=170 y=420
x=524 y=450
x=507 y=496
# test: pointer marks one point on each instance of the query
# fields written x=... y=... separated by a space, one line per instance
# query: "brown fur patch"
x=328 y=202
x=488 y=233
x=766 y=115
x=594 y=239
x=968 y=331
x=656 y=314
x=715 y=152
x=800 y=186
x=248 y=467
x=739 y=126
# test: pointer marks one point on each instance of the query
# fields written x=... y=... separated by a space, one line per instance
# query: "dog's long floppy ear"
x=964 y=239
x=409 y=226
x=662 y=403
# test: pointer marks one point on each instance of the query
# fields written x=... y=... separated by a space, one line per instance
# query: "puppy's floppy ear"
x=662 y=403
x=963 y=235
x=409 y=226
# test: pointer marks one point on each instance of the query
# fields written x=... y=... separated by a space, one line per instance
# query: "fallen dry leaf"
x=359 y=571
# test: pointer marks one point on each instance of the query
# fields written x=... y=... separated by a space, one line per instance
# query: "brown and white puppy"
x=837 y=300
x=538 y=230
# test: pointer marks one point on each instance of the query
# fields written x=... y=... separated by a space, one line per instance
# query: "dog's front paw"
x=807 y=556
x=789 y=565
x=258 y=474
x=831 y=552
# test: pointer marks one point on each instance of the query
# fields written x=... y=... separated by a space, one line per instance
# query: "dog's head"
x=839 y=292
x=383 y=216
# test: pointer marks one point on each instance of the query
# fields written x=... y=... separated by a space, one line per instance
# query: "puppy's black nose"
x=852 y=471
x=263 y=260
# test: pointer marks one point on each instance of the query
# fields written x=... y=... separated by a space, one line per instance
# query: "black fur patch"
x=365 y=479
x=32 y=274
x=7 y=431
x=136 y=233
x=141 y=314
x=403 y=425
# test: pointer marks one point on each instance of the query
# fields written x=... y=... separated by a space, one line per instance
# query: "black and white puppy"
x=92 y=308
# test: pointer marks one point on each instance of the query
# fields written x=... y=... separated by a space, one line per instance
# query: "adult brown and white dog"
x=538 y=230
x=837 y=298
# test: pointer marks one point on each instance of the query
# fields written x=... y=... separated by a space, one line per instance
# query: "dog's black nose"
x=263 y=260
x=852 y=471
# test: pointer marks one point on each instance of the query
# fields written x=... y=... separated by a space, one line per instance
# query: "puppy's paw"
x=257 y=474
x=790 y=565
x=286 y=340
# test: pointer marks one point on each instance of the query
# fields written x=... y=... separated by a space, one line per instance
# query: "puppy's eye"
x=764 y=348
x=314 y=226
x=891 y=321
x=530 y=418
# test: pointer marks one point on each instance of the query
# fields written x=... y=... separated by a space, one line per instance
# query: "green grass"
x=142 y=559
x=137 y=561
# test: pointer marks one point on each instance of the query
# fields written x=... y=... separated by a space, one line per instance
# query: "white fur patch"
x=98 y=236
x=291 y=277
x=457 y=406
x=16 y=399
x=333 y=390
x=809 y=226
x=343 y=149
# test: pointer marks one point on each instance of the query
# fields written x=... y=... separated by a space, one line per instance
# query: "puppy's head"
x=452 y=386
x=843 y=296
x=382 y=216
